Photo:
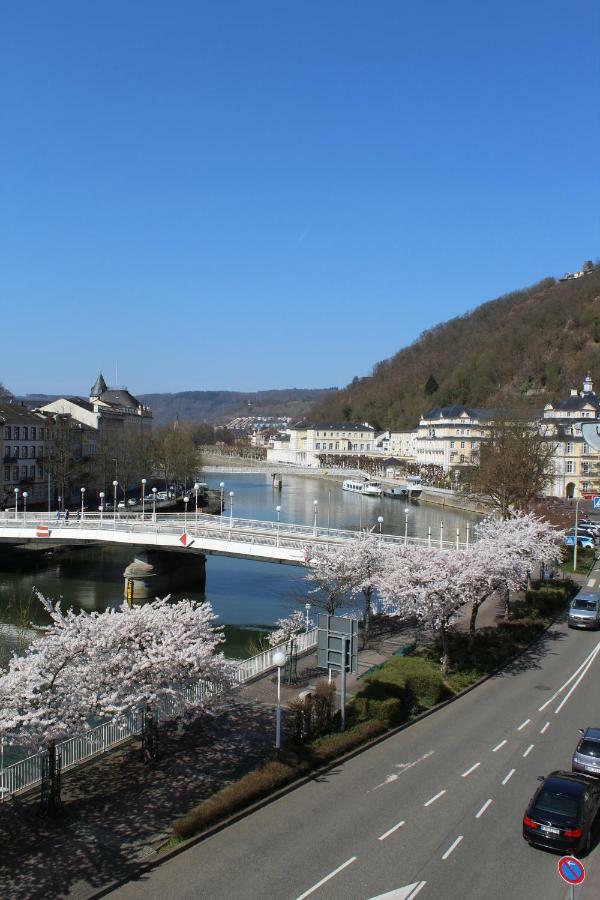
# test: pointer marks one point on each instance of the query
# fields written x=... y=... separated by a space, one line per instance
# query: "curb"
x=139 y=869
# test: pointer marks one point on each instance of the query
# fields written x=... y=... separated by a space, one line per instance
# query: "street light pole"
x=25 y=495
x=307 y=607
x=380 y=520
x=196 y=489
x=101 y=508
x=575 y=538
x=230 y=511
x=154 y=505
x=143 y=498
x=82 y=496
x=406 y=526
x=278 y=511
x=279 y=660
x=316 y=509
x=16 y=502
x=115 y=486
x=222 y=486
x=186 y=500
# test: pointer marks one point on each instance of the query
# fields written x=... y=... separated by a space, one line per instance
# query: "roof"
x=576 y=403
x=456 y=411
x=332 y=426
x=21 y=415
x=119 y=397
x=392 y=461
x=99 y=387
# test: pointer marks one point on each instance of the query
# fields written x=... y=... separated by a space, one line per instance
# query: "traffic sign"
x=596 y=502
x=42 y=531
x=571 y=870
x=184 y=539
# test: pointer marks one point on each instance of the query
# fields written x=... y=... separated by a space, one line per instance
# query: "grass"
x=585 y=560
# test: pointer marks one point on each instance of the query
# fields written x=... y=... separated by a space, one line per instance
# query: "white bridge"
x=267 y=541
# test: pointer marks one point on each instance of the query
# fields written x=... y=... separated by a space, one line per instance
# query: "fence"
x=27 y=772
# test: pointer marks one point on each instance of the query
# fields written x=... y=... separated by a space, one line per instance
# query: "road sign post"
x=337 y=650
x=596 y=502
x=572 y=871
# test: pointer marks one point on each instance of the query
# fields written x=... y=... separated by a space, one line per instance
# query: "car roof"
x=567 y=783
x=592 y=734
x=587 y=595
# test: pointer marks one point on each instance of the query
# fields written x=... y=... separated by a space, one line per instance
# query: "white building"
x=307 y=442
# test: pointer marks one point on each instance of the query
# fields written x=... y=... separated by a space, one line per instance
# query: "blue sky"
x=251 y=195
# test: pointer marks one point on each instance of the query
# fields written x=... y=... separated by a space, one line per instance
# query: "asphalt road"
x=435 y=810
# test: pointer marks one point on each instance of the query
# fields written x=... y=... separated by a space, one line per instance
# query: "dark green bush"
x=391 y=711
x=412 y=679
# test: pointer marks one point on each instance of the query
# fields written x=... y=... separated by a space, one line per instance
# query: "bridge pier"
x=155 y=573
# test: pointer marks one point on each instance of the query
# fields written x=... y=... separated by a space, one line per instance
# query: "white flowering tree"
x=287 y=628
x=365 y=561
x=329 y=574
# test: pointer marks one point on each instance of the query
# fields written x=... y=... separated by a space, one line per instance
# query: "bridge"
x=279 y=542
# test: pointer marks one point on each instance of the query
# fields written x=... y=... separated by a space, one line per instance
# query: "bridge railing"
x=26 y=773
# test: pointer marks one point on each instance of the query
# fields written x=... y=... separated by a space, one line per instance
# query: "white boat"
x=411 y=490
x=367 y=488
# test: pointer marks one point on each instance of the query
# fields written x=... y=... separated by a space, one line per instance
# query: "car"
x=584 y=610
x=132 y=502
x=120 y=505
x=162 y=495
x=587 y=523
x=586 y=757
x=561 y=813
x=584 y=542
x=584 y=531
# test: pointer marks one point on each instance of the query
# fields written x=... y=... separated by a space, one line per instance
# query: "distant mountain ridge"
x=525 y=348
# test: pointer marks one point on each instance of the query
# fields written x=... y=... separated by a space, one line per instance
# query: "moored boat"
x=367 y=488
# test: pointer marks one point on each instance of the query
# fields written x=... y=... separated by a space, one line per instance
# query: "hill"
x=521 y=349
x=217 y=407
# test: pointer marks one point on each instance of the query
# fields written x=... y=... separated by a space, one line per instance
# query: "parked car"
x=587 y=753
x=584 y=611
x=121 y=504
x=583 y=541
x=162 y=495
x=132 y=502
x=584 y=530
x=561 y=813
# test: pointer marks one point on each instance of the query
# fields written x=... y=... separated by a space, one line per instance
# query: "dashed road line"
x=523 y=724
x=391 y=831
x=483 y=808
x=327 y=878
x=509 y=776
x=501 y=744
x=433 y=799
x=452 y=847
x=472 y=769
x=542 y=730
x=529 y=749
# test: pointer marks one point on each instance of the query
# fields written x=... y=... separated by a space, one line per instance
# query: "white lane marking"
x=391 y=831
x=542 y=730
x=433 y=799
x=483 y=809
x=403 y=768
x=452 y=847
x=404 y=893
x=523 y=724
x=592 y=582
x=529 y=749
x=501 y=744
x=576 y=683
x=472 y=769
x=316 y=886
x=509 y=776
x=590 y=656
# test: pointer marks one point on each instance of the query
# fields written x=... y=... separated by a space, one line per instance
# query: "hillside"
x=217 y=407
x=524 y=348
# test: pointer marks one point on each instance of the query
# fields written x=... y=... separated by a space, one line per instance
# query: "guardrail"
x=26 y=773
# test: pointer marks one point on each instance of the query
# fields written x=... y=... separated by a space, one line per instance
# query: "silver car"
x=584 y=611
x=587 y=753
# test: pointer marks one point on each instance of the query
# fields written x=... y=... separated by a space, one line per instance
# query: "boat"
x=396 y=493
x=366 y=488
x=408 y=491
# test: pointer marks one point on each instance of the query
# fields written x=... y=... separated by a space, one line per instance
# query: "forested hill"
x=528 y=347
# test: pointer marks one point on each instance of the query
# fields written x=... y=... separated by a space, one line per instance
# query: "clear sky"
x=251 y=195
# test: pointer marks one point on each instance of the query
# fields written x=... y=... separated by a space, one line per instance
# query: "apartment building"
x=576 y=463
x=306 y=442
x=24 y=441
x=449 y=436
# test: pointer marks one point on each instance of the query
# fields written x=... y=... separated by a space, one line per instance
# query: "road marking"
x=452 y=846
x=529 y=749
x=576 y=683
x=433 y=799
x=592 y=582
x=588 y=658
x=542 y=730
x=403 y=893
x=391 y=831
x=483 y=809
x=501 y=744
x=316 y=886
x=472 y=769
x=403 y=768
x=523 y=724
x=509 y=776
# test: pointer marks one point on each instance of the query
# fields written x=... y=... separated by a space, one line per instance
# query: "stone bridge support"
x=155 y=573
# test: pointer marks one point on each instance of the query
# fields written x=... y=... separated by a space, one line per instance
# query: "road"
x=435 y=810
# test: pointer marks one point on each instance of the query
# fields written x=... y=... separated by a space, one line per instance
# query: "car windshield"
x=589 y=748
x=585 y=604
x=556 y=803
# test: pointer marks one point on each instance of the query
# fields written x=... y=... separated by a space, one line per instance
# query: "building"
x=308 y=442
x=450 y=436
x=24 y=441
x=576 y=464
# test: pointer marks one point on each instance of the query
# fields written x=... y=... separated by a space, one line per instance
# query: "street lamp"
x=278 y=511
x=279 y=659
x=16 y=501
x=25 y=495
x=406 y=525
x=101 y=507
x=222 y=486
x=316 y=509
x=115 y=486
x=196 y=489
x=380 y=520
x=575 y=536
x=230 y=510
x=143 y=498
x=82 y=496
x=154 y=504
x=186 y=500
x=307 y=607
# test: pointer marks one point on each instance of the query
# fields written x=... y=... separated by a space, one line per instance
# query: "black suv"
x=561 y=814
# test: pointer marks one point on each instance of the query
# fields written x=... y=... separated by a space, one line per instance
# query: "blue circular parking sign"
x=571 y=870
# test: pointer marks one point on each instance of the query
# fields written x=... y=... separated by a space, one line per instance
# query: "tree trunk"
x=506 y=603
x=367 y=627
x=474 y=611
x=445 y=650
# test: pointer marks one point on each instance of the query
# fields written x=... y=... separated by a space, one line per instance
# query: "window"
x=25 y=433
x=16 y=453
x=17 y=432
x=452 y=445
x=318 y=445
x=32 y=471
x=32 y=453
x=462 y=457
x=15 y=473
x=7 y=433
x=23 y=471
x=569 y=447
x=362 y=446
x=7 y=473
x=585 y=468
x=585 y=485
x=570 y=467
x=462 y=445
x=331 y=445
x=40 y=472
x=33 y=430
x=337 y=445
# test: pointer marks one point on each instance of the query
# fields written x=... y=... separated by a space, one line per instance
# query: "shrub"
x=414 y=680
x=333 y=745
x=390 y=711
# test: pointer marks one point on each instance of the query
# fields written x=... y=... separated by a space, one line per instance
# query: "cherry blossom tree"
x=287 y=628
x=328 y=572
x=364 y=565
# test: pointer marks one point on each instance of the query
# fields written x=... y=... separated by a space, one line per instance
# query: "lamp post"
x=25 y=495
x=380 y=520
x=82 y=496
x=230 y=510
x=196 y=489
x=279 y=659
x=278 y=511
x=115 y=486
x=101 y=508
x=143 y=498
x=575 y=536
x=16 y=502
x=307 y=607
x=186 y=500
x=154 y=504
x=406 y=526
x=222 y=486
x=316 y=509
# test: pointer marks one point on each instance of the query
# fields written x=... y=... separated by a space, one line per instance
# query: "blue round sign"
x=571 y=870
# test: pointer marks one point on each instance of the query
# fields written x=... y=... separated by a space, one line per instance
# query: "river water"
x=242 y=592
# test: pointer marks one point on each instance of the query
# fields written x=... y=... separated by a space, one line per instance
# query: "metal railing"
x=26 y=773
